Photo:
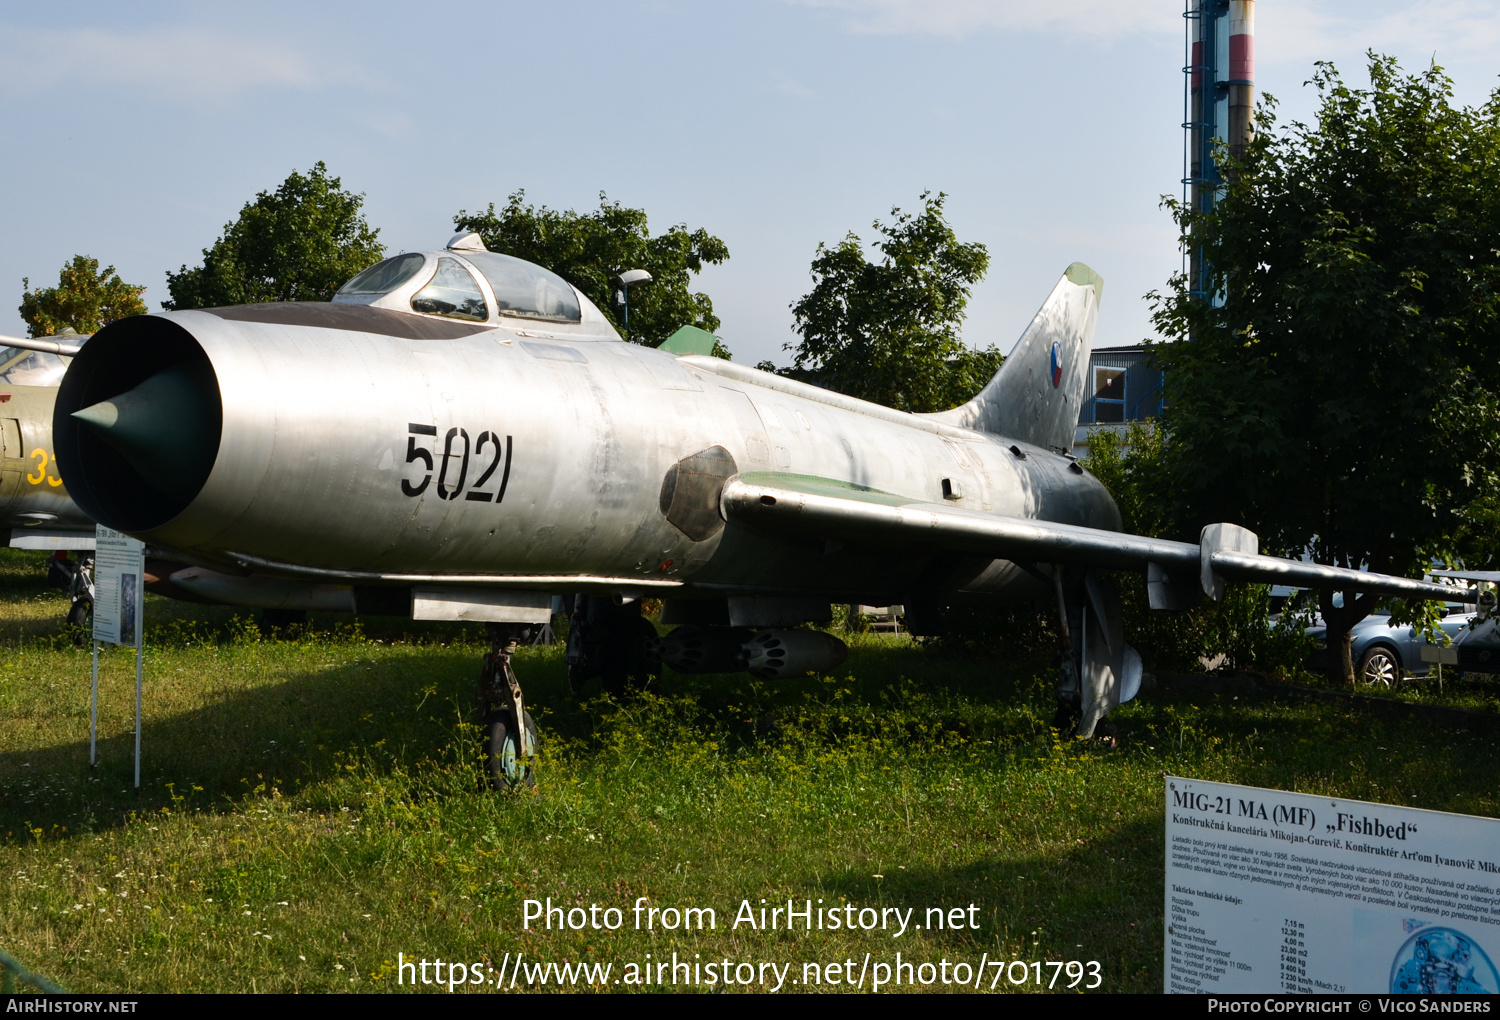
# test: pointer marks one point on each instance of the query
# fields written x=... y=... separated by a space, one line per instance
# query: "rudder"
x=1037 y=394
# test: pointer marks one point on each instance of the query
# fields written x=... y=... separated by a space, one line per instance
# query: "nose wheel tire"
x=1379 y=668
x=507 y=765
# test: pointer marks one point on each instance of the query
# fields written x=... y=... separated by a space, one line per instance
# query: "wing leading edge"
x=827 y=508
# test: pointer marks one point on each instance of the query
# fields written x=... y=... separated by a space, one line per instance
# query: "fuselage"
x=520 y=452
x=32 y=493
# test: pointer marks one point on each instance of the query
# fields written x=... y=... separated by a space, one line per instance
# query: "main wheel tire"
x=577 y=677
x=503 y=766
x=1379 y=667
x=81 y=615
x=649 y=661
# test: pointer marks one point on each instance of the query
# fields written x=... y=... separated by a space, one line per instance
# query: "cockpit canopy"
x=33 y=368
x=467 y=282
x=527 y=291
x=384 y=277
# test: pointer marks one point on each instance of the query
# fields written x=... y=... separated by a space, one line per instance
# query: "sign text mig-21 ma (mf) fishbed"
x=462 y=435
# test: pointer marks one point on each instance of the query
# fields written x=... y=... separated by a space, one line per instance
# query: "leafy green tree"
x=1136 y=469
x=1341 y=397
x=887 y=331
x=1478 y=543
x=84 y=300
x=590 y=249
x=301 y=242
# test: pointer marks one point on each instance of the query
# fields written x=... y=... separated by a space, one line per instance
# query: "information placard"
x=1268 y=892
x=119 y=578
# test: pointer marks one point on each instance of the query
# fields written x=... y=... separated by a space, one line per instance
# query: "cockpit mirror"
x=468 y=241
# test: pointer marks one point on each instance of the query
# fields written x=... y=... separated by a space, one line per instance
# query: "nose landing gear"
x=510 y=737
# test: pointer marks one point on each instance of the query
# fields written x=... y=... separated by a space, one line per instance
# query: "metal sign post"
x=94 y=711
x=1440 y=655
x=119 y=611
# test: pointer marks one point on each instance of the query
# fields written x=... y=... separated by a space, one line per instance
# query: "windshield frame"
x=464 y=270
x=592 y=324
x=475 y=262
x=10 y=357
x=421 y=265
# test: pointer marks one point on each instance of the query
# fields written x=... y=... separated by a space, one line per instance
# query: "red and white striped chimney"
x=1241 y=77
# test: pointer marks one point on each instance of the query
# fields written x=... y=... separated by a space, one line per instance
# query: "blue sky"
x=137 y=131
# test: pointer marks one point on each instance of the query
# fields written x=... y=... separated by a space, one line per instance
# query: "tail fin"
x=1038 y=392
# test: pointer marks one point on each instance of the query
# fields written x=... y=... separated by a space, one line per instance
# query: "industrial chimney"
x=1220 y=101
x=1240 y=127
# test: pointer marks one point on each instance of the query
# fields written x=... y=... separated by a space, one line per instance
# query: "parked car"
x=1384 y=655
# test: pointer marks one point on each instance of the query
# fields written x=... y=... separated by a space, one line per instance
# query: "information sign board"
x=119 y=581
x=1268 y=892
x=119 y=608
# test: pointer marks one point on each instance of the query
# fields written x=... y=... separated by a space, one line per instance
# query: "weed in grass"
x=312 y=807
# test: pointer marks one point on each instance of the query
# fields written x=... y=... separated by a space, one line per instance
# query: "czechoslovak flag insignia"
x=1056 y=364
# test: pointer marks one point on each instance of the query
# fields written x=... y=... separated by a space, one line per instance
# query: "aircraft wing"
x=45 y=346
x=1491 y=576
x=821 y=507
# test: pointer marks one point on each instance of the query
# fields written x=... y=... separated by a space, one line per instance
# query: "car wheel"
x=1379 y=667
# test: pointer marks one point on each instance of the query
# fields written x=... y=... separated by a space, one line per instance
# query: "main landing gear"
x=76 y=577
x=611 y=641
x=1097 y=670
x=510 y=737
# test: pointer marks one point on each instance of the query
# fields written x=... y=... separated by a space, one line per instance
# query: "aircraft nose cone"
x=156 y=427
x=101 y=416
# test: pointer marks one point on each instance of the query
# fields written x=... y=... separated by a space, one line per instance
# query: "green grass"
x=311 y=807
x=1475 y=692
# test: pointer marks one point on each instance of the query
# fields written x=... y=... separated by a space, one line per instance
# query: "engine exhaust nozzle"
x=137 y=423
x=155 y=428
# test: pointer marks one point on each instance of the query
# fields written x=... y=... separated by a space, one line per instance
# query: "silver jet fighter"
x=462 y=435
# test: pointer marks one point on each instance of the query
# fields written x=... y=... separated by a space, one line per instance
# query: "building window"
x=1109 y=394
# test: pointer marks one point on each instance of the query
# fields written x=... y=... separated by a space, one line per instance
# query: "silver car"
x=1384 y=654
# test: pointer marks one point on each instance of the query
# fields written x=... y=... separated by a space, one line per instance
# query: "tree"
x=301 y=243
x=1341 y=395
x=887 y=331
x=590 y=249
x=84 y=300
x=1136 y=469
